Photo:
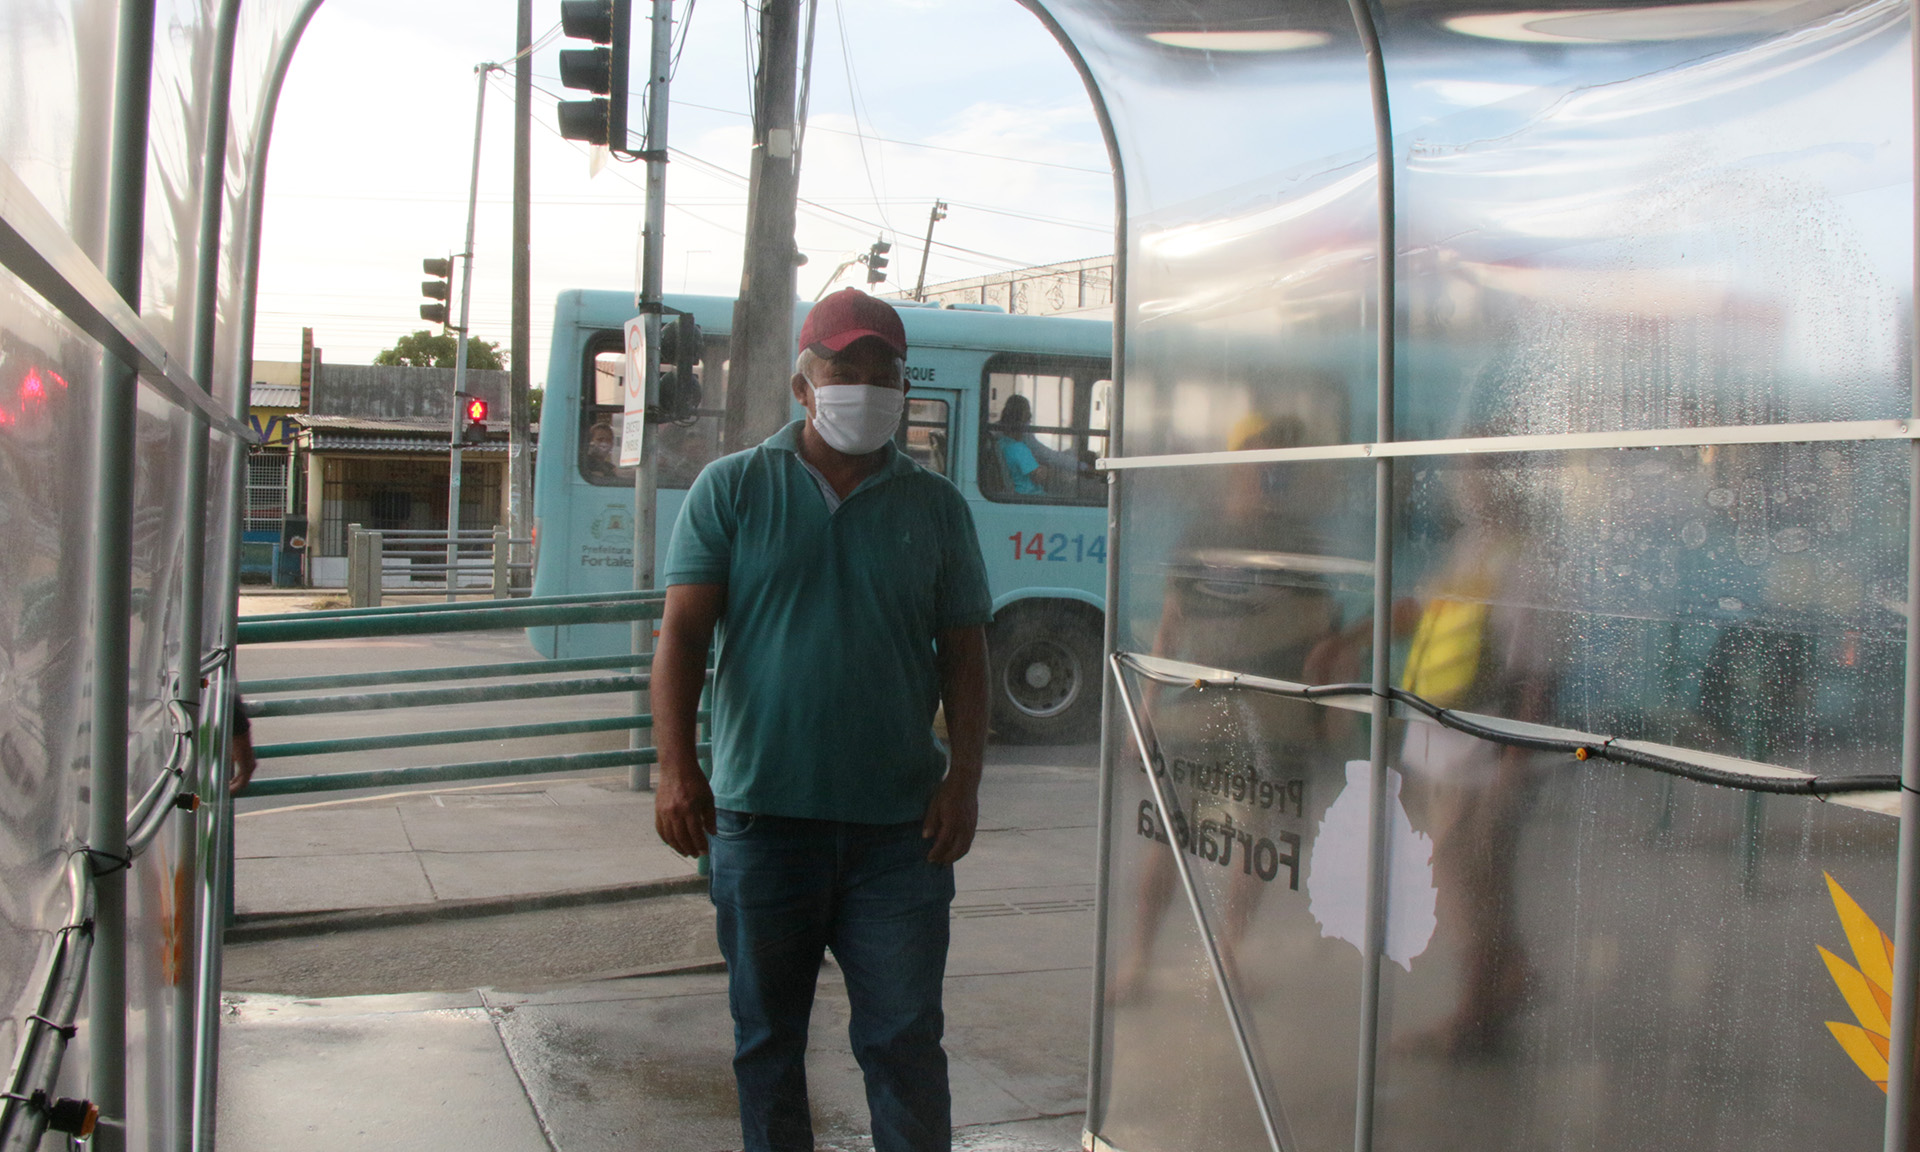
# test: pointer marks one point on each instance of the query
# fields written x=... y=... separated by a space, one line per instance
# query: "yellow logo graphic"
x=1867 y=988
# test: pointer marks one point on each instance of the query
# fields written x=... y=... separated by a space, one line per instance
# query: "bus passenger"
x=850 y=597
x=597 y=464
x=1023 y=454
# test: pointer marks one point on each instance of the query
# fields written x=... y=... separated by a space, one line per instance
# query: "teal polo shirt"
x=824 y=683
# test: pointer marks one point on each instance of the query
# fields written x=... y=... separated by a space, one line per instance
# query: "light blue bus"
x=1039 y=506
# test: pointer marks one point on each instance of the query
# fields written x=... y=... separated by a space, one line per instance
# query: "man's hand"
x=241 y=752
x=952 y=817
x=683 y=803
x=960 y=654
x=683 y=810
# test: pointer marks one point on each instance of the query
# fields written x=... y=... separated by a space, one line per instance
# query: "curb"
x=255 y=927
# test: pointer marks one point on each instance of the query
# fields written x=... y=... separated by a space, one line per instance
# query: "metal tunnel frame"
x=33 y=249
x=1904 y=1062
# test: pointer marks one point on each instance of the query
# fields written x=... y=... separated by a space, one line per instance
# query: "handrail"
x=1582 y=746
x=149 y=815
x=434 y=609
x=455 y=672
x=29 y=1106
x=432 y=697
x=442 y=773
x=343 y=744
x=375 y=622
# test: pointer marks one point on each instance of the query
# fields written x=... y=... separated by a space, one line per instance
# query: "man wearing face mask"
x=846 y=590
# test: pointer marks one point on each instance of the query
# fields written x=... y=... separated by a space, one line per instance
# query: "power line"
x=686 y=22
x=854 y=102
x=817 y=208
x=1052 y=220
x=916 y=143
x=1000 y=156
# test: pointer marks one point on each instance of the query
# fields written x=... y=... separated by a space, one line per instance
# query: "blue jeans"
x=788 y=889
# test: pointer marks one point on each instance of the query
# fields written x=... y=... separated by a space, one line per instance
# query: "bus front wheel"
x=1043 y=668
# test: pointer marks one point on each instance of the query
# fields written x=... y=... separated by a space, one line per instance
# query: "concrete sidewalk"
x=459 y=843
x=635 y=1062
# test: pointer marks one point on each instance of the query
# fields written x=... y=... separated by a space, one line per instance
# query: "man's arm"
x=683 y=802
x=961 y=656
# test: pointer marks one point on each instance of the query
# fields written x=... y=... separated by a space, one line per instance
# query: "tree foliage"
x=425 y=349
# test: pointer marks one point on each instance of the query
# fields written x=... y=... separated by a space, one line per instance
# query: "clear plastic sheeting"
x=1681 y=216
x=49 y=375
x=1651 y=218
x=1258 y=568
x=1249 y=780
x=1744 y=600
x=1625 y=961
x=56 y=59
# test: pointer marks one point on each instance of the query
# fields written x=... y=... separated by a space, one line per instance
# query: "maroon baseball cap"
x=850 y=315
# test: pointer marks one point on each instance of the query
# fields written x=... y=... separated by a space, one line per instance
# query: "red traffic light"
x=476 y=409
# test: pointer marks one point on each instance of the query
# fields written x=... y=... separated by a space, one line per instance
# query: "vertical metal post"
x=460 y=353
x=502 y=567
x=213 y=167
x=1374 y=939
x=520 y=334
x=653 y=254
x=1899 y=1134
x=1109 y=745
x=111 y=585
x=216 y=880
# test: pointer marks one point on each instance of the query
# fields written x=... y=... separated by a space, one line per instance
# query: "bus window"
x=926 y=435
x=1047 y=419
x=684 y=446
x=603 y=414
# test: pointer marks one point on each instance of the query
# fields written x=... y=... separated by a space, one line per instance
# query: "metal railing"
x=314 y=695
x=423 y=560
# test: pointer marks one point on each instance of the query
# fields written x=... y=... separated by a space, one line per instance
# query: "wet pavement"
x=584 y=1064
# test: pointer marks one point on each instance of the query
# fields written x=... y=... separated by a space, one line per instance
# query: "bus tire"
x=1043 y=675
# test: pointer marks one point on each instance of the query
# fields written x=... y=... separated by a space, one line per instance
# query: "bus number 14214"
x=1058 y=546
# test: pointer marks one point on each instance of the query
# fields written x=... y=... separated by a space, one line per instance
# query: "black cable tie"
x=120 y=863
x=67 y=1031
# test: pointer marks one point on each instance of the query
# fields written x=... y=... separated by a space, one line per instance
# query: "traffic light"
x=440 y=288
x=877 y=261
x=681 y=350
x=474 y=429
x=601 y=70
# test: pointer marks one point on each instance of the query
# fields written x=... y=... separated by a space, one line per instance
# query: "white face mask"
x=856 y=418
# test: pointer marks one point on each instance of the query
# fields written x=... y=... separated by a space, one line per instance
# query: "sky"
x=967 y=101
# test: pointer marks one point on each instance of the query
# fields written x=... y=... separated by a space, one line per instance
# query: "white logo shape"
x=1337 y=870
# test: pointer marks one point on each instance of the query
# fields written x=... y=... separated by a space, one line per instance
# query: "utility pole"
x=653 y=255
x=460 y=353
x=520 y=338
x=762 y=351
x=938 y=214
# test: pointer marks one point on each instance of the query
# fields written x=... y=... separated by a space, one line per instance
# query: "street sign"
x=633 y=430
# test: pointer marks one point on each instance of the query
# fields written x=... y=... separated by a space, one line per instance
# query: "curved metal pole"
x=217 y=834
x=1109 y=753
x=182 y=1069
x=1899 y=1133
x=111 y=582
x=1374 y=939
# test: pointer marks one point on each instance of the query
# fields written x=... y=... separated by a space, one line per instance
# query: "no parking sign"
x=633 y=429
